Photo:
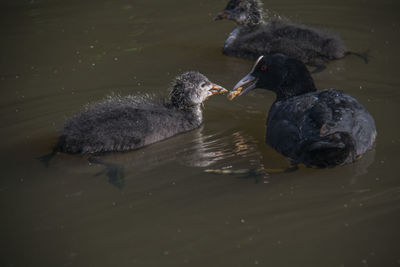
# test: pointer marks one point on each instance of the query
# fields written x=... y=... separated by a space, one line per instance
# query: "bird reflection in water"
x=192 y=149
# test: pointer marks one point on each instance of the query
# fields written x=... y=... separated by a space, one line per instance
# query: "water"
x=57 y=56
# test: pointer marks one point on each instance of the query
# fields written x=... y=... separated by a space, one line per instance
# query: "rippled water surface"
x=56 y=56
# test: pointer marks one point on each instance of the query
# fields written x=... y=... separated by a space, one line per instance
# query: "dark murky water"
x=56 y=56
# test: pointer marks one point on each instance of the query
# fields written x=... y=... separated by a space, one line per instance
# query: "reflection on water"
x=361 y=168
x=219 y=147
x=192 y=149
x=220 y=151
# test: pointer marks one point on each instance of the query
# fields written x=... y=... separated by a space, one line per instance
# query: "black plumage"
x=125 y=123
x=318 y=128
x=255 y=36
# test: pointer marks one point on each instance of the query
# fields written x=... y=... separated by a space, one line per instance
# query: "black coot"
x=318 y=128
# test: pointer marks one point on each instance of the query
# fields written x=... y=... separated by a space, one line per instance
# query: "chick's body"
x=310 y=45
x=255 y=36
x=120 y=124
x=125 y=123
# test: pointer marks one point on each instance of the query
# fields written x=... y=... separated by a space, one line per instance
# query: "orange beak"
x=216 y=89
x=221 y=15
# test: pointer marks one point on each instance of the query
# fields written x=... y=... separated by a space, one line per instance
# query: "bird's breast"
x=232 y=37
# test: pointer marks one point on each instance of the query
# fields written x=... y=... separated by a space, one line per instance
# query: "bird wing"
x=116 y=121
x=318 y=120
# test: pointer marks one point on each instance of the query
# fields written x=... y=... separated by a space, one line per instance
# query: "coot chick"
x=125 y=123
x=255 y=36
x=318 y=128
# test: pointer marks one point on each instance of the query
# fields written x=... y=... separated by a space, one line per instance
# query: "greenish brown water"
x=56 y=56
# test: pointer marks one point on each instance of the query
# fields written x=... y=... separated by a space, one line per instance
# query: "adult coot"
x=125 y=123
x=255 y=36
x=318 y=128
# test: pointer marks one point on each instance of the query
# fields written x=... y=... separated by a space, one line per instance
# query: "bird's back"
x=305 y=43
x=311 y=45
x=121 y=123
x=323 y=128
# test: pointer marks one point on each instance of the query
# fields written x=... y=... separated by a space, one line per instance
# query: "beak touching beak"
x=216 y=89
x=221 y=15
x=249 y=82
x=246 y=84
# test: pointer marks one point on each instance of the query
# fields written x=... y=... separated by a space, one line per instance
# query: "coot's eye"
x=263 y=67
x=203 y=85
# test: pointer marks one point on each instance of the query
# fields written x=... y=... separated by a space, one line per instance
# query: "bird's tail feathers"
x=365 y=56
